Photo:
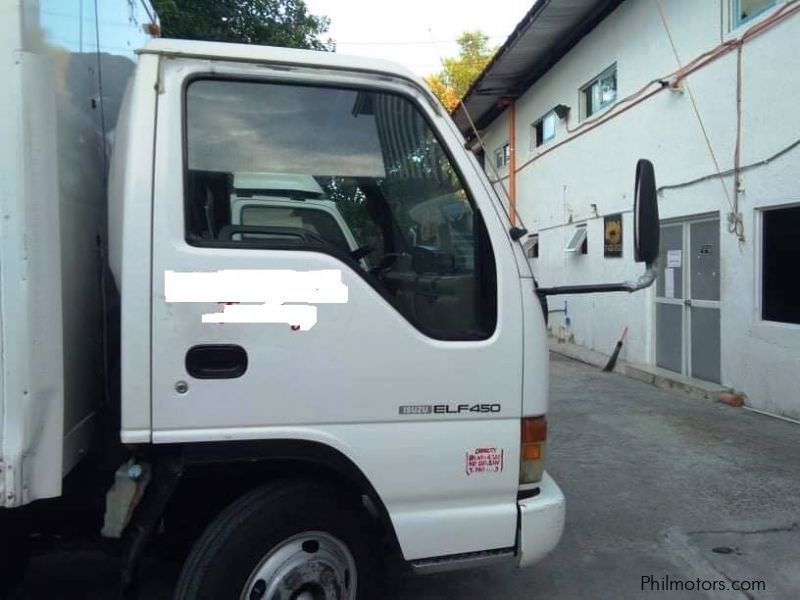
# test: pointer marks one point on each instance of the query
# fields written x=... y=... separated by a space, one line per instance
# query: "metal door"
x=688 y=299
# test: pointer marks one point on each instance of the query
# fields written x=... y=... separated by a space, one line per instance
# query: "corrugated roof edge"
x=571 y=37
x=521 y=27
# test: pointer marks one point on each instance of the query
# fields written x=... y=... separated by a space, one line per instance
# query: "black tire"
x=229 y=550
x=15 y=552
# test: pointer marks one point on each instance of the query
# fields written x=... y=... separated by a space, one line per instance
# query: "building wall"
x=758 y=358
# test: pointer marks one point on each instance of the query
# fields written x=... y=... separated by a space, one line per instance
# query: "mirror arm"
x=644 y=280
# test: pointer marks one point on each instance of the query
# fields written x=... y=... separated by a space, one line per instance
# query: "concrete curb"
x=683 y=551
x=584 y=355
x=655 y=376
x=674 y=382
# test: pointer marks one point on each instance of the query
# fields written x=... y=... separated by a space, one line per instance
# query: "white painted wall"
x=758 y=358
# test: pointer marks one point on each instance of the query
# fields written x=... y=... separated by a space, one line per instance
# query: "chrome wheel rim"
x=313 y=565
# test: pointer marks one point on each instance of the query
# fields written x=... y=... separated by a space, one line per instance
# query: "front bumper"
x=541 y=522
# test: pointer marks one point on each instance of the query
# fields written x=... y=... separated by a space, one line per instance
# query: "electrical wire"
x=586 y=128
x=100 y=94
x=736 y=221
x=671 y=81
x=506 y=193
x=736 y=226
x=506 y=211
x=742 y=169
x=613 y=110
x=100 y=243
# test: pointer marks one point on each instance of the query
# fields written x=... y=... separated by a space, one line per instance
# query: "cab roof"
x=274 y=55
x=243 y=180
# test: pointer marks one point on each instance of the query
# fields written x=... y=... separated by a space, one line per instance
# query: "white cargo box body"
x=61 y=95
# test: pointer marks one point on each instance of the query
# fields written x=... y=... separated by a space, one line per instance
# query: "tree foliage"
x=284 y=23
x=452 y=82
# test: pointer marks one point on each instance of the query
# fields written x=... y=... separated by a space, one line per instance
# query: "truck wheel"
x=296 y=540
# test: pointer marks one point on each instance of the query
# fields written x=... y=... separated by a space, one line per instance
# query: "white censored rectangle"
x=258 y=295
x=273 y=286
x=299 y=316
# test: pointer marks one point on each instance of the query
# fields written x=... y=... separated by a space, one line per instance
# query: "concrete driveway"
x=689 y=493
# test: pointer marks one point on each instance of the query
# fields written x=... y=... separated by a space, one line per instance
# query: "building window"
x=501 y=156
x=600 y=92
x=780 y=286
x=577 y=243
x=532 y=246
x=544 y=129
x=744 y=10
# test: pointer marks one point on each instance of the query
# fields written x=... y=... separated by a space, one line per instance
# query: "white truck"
x=294 y=398
x=294 y=206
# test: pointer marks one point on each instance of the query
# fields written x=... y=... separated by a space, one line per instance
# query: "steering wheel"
x=385 y=263
x=361 y=252
x=356 y=254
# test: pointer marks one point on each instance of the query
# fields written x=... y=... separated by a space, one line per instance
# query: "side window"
x=600 y=92
x=780 y=290
x=353 y=173
x=502 y=156
x=577 y=243
x=744 y=10
x=543 y=130
x=531 y=246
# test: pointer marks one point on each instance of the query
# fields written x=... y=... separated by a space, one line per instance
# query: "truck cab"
x=316 y=278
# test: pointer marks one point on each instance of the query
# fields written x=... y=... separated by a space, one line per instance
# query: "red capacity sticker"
x=484 y=460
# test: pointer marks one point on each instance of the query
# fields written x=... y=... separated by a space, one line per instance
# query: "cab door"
x=262 y=332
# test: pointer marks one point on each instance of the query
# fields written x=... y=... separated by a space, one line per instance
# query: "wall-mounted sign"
x=674 y=259
x=669 y=283
x=612 y=236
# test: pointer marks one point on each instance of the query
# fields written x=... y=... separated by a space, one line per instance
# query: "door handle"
x=216 y=361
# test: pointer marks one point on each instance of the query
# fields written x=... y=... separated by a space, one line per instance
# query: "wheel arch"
x=216 y=473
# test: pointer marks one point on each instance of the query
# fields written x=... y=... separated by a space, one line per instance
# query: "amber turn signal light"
x=533 y=438
x=534 y=429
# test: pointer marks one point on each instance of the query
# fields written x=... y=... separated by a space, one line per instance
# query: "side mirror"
x=646 y=242
x=646 y=228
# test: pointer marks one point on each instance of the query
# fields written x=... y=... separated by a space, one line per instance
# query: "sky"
x=415 y=33
x=280 y=128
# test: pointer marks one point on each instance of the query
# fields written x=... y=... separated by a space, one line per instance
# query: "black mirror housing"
x=646 y=241
x=646 y=226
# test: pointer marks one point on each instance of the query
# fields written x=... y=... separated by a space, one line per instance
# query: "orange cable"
x=696 y=64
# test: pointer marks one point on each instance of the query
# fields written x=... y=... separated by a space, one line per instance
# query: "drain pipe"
x=512 y=161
